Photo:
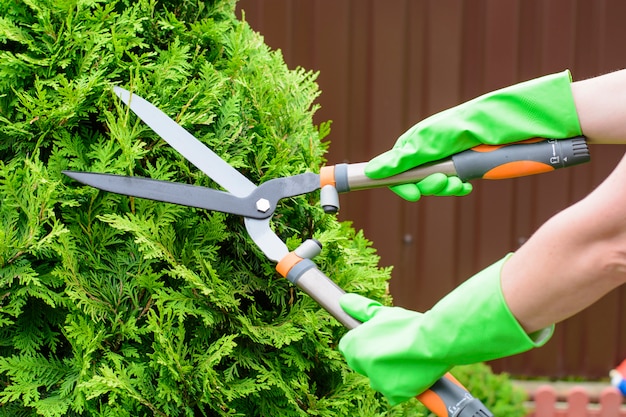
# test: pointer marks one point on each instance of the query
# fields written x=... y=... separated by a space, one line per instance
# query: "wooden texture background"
x=386 y=64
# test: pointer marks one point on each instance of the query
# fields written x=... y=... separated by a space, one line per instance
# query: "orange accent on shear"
x=517 y=169
x=456 y=381
x=327 y=176
x=433 y=402
x=284 y=266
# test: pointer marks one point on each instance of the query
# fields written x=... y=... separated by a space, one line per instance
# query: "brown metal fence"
x=386 y=64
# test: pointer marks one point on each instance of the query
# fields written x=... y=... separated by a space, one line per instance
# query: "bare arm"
x=580 y=254
x=601 y=106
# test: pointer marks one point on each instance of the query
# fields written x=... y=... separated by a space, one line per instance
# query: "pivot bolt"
x=263 y=205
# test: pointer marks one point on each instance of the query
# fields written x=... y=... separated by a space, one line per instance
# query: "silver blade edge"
x=261 y=233
x=187 y=145
x=167 y=192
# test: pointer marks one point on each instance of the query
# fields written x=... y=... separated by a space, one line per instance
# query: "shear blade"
x=170 y=192
x=187 y=145
x=261 y=233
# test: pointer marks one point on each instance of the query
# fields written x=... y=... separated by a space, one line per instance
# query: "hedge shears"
x=256 y=204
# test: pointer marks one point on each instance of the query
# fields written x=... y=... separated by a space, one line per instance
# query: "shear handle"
x=447 y=397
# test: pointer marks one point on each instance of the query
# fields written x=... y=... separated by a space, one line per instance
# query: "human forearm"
x=572 y=260
x=601 y=107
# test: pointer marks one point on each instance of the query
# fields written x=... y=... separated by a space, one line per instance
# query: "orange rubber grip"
x=284 y=266
x=517 y=169
x=327 y=176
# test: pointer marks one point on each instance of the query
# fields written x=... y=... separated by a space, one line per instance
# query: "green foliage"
x=116 y=306
x=119 y=306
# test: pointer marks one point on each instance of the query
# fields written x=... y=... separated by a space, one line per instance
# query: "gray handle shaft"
x=351 y=177
x=323 y=290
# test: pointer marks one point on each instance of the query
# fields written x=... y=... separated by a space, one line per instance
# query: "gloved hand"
x=435 y=184
x=404 y=352
x=543 y=107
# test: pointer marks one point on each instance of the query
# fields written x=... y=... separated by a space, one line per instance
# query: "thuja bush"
x=117 y=306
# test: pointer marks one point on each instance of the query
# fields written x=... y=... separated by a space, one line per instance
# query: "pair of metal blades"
x=255 y=204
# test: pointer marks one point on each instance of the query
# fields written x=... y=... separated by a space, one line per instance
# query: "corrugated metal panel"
x=384 y=65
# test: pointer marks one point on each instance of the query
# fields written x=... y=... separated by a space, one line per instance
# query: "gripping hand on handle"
x=403 y=352
x=543 y=107
x=435 y=184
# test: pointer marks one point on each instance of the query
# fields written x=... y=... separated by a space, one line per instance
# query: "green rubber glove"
x=543 y=107
x=434 y=184
x=404 y=352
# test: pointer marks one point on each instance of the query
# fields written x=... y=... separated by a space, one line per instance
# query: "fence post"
x=577 y=402
x=610 y=402
x=545 y=401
